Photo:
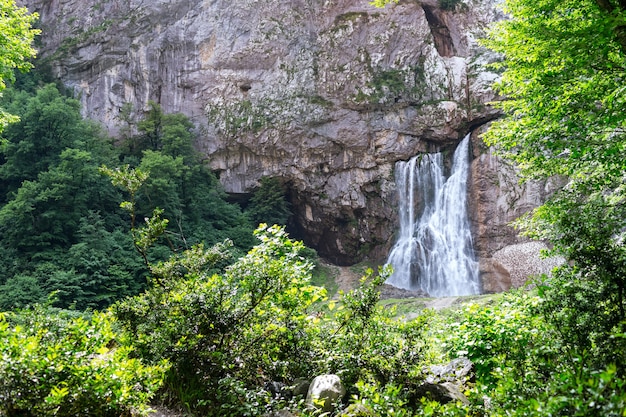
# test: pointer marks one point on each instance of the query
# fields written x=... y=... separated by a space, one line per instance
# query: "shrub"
x=525 y=367
x=245 y=326
x=56 y=365
x=364 y=342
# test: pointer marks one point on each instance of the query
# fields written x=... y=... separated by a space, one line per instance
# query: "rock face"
x=496 y=199
x=324 y=94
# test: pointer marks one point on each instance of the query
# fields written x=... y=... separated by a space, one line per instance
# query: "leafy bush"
x=524 y=366
x=364 y=342
x=56 y=365
x=229 y=333
x=244 y=326
x=501 y=339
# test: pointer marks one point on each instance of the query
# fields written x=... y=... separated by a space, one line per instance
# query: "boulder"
x=325 y=391
x=442 y=393
x=494 y=276
x=459 y=370
x=444 y=383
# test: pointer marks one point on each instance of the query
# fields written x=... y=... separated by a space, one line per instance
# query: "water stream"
x=434 y=250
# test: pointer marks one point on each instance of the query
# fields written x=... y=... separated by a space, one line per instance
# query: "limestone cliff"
x=325 y=94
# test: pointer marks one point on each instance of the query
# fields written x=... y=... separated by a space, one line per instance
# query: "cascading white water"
x=434 y=250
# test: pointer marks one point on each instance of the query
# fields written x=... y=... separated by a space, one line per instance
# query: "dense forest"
x=63 y=230
x=128 y=280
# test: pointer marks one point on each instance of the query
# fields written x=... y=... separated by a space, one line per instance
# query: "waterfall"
x=434 y=250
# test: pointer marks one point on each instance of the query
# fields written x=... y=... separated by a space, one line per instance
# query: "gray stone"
x=300 y=387
x=459 y=371
x=443 y=393
x=443 y=383
x=494 y=276
x=325 y=391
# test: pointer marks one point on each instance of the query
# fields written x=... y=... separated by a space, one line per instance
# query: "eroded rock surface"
x=324 y=94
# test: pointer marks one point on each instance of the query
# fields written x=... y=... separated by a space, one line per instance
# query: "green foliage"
x=171 y=134
x=49 y=123
x=585 y=297
x=563 y=77
x=17 y=39
x=229 y=331
x=56 y=365
x=379 y=358
x=378 y=401
x=51 y=191
x=179 y=183
x=60 y=226
x=246 y=325
x=444 y=4
x=526 y=367
x=449 y=4
x=20 y=291
x=268 y=203
x=502 y=340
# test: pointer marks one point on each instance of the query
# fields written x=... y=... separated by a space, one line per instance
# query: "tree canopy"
x=563 y=82
x=61 y=227
x=16 y=38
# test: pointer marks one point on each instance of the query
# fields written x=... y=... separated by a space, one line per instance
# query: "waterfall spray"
x=434 y=251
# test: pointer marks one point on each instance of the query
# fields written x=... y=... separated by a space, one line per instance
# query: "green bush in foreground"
x=226 y=333
x=524 y=366
x=52 y=364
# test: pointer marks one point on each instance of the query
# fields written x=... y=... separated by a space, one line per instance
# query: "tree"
x=49 y=123
x=15 y=45
x=563 y=82
x=180 y=183
x=268 y=203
